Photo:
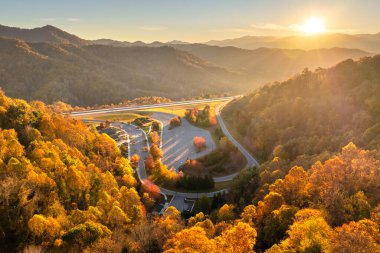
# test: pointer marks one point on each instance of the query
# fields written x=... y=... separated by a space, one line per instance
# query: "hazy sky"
x=189 y=20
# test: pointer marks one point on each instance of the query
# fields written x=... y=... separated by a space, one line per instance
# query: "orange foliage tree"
x=135 y=159
x=175 y=122
x=150 y=188
x=199 y=143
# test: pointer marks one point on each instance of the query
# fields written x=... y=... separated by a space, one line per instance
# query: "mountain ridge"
x=116 y=70
x=47 y=33
x=366 y=42
x=51 y=72
x=52 y=34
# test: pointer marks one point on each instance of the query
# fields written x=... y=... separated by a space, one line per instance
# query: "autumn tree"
x=248 y=215
x=151 y=192
x=226 y=213
x=154 y=138
x=294 y=187
x=270 y=203
x=208 y=227
x=155 y=152
x=343 y=186
x=175 y=122
x=70 y=184
x=239 y=238
x=190 y=239
x=199 y=143
x=309 y=233
x=86 y=233
x=135 y=159
x=277 y=223
x=361 y=236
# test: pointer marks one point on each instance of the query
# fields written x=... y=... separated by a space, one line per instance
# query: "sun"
x=313 y=25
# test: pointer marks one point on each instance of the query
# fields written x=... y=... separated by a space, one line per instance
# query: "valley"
x=189 y=126
x=52 y=65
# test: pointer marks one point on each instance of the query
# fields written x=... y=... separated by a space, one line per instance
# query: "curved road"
x=251 y=162
x=138 y=141
x=141 y=141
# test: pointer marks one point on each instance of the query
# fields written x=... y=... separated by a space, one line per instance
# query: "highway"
x=144 y=107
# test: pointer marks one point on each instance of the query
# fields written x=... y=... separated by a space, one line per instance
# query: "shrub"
x=175 y=122
x=199 y=143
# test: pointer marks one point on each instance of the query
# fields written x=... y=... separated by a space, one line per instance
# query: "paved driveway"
x=137 y=143
x=177 y=143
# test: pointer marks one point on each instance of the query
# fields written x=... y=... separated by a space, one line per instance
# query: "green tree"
x=203 y=204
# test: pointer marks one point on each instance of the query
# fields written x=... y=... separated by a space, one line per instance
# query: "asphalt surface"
x=251 y=161
x=177 y=143
x=143 y=107
x=138 y=140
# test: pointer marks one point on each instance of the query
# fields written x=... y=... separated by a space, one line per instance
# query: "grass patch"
x=218 y=187
x=120 y=116
x=222 y=185
x=181 y=109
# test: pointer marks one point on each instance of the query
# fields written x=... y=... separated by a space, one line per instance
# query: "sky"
x=189 y=20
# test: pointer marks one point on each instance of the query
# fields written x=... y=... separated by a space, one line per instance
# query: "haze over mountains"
x=99 y=74
x=50 y=64
x=270 y=64
x=366 y=42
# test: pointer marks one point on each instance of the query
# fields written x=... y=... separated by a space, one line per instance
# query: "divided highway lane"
x=143 y=107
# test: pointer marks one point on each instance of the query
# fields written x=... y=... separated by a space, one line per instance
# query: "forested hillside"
x=66 y=188
x=49 y=64
x=61 y=184
x=315 y=190
x=98 y=74
x=312 y=114
x=47 y=34
x=263 y=65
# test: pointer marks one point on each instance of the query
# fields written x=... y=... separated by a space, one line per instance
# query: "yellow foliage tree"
x=189 y=240
x=311 y=234
x=240 y=238
x=226 y=213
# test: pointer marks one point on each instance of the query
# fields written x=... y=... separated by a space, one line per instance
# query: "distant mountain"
x=366 y=42
x=98 y=74
x=260 y=65
x=62 y=66
x=268 y=64
x=177 y=42
x=116 y=43
x=47 y=34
